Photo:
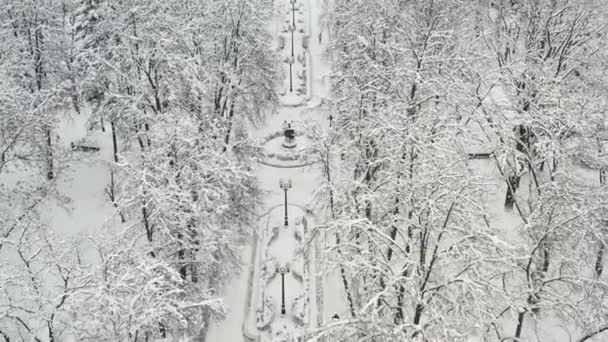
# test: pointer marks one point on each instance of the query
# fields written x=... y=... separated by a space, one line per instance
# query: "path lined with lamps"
x=282 y=285
x=283 y=305
x=283 y=295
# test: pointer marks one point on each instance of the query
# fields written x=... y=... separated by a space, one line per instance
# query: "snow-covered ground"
x=76 y=205
x=81 y=206
x=308 y=87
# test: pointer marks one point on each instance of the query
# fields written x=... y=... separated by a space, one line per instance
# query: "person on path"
x=320 y=37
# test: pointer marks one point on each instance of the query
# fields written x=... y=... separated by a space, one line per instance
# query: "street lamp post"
x=293 y=11
x=292 y=28
x=282 y=271
x=285 y=185
x=291 y=61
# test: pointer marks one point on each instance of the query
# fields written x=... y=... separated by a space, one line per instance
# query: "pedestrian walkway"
x=283 y=291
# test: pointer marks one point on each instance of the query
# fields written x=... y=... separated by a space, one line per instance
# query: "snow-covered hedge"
x=269 y=269
x=274 y=234
x=297 y=232
x=265 y=314
x=290 y=156
x=298 y=310
x=297 y=269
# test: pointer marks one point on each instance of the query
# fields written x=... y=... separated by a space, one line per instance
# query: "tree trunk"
x=522 y=141
x=593 y=333
x=193 y=251
x=114 y=141
x=50 y=174
x=405 y=273
x=229 y=130
x=181 y=255
x=111 y=191
x=520 y=324
x=50 y=330
x=418 y=313
x=599 y=259
x=393 y=234
x=148 y=227
x=147 y=128
x=5 y=336
x=193 y=274
x=75 y=99
x=345 y=282
x=333 y=215
x=512 y=185
x=347 y=290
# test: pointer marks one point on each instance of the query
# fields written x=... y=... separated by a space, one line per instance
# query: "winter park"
x=303 y=170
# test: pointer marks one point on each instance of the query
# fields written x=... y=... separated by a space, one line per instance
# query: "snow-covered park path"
x=254 y=296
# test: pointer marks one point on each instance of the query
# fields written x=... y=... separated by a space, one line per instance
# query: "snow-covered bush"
x=297 y=268
x=297 y=275
x=265 y=314
x=274 y=234
x=297 y=234
x=269 y=269
x=298 y=309
x=289 y=156
x=282 y=335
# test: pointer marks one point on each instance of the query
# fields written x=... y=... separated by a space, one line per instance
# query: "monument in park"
x=290 y=135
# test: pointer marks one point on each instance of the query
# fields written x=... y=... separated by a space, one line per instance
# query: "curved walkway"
x=252 y=289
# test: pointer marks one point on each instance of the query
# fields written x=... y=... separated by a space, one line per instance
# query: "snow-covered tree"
x=408 y=80
x=39 y=59
x=132 y=296
x=177 y=82
x=40 y=275
x=549 y=63
x=546 y=62
x=196 y=201
x=411 y=242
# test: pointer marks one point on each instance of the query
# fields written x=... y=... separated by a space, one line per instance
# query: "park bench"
x=82 y=147
x=480 y=155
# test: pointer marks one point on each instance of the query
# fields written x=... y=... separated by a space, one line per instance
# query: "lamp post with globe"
x=282 y=271
x=291 y=60
x=292 y=28
x=293 y=12
x=285 y=184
